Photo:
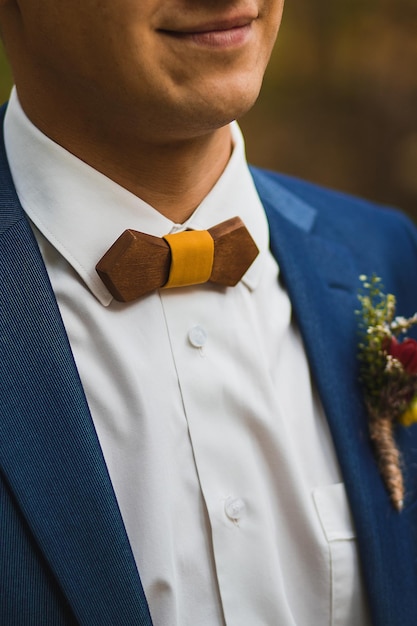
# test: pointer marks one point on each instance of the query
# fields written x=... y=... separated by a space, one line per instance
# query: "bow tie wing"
x=135 y=264
x=234 y=251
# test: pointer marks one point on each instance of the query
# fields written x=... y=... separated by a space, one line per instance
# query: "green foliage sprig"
x=388 y=372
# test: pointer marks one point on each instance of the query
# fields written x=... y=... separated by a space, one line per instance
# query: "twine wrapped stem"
x=389 y=459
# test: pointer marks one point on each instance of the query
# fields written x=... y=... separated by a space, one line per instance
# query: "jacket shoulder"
x=322 y=198
x=337 y=213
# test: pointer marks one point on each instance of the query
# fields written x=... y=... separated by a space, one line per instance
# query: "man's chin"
x=217 y=111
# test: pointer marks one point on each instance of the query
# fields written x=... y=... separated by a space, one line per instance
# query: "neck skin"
x=173 y=176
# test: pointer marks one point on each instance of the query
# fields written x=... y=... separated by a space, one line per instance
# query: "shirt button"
x=234 y=508
x=197 y=336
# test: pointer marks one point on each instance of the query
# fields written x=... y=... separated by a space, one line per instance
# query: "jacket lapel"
x=49 y=451
x=322 y=280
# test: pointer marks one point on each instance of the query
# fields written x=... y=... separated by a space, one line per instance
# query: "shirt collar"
x=81 y=212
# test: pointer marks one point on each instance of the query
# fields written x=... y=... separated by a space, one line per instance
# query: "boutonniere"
x=388 y=372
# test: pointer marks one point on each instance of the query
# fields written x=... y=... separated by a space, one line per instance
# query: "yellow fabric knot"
x=409 y=416
x=192 y=255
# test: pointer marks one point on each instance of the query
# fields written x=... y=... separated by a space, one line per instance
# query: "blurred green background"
x=339 y=102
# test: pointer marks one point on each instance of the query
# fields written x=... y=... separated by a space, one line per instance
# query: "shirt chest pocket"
x=347 y=596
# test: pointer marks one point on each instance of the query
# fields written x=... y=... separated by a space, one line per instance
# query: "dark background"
x=339 y=102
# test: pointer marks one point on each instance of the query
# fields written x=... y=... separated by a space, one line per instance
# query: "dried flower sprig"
x=388 y=370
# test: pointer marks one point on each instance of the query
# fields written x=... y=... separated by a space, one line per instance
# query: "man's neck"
x=173 y=176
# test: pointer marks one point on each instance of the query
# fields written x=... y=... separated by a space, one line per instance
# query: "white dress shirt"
x=214 y=437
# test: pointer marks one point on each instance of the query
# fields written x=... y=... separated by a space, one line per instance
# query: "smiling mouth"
x=220 y=34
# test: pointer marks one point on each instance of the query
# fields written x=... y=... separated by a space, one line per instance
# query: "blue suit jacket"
x=64 y=554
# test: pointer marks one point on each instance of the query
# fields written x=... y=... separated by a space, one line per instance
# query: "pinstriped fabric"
x=63 y=543
x=50 y=453
x=21 y=564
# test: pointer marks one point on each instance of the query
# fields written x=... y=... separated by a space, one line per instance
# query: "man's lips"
x=215 y=33
x=225 y=33
x=216 y=25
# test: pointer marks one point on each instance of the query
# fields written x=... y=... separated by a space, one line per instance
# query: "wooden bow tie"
x=138 y=263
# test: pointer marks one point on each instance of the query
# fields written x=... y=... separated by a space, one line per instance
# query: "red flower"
x=405 y=353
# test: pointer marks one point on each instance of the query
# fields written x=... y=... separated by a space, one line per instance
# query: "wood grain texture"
x=138 y=263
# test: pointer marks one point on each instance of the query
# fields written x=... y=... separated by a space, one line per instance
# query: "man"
x=204 y=459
